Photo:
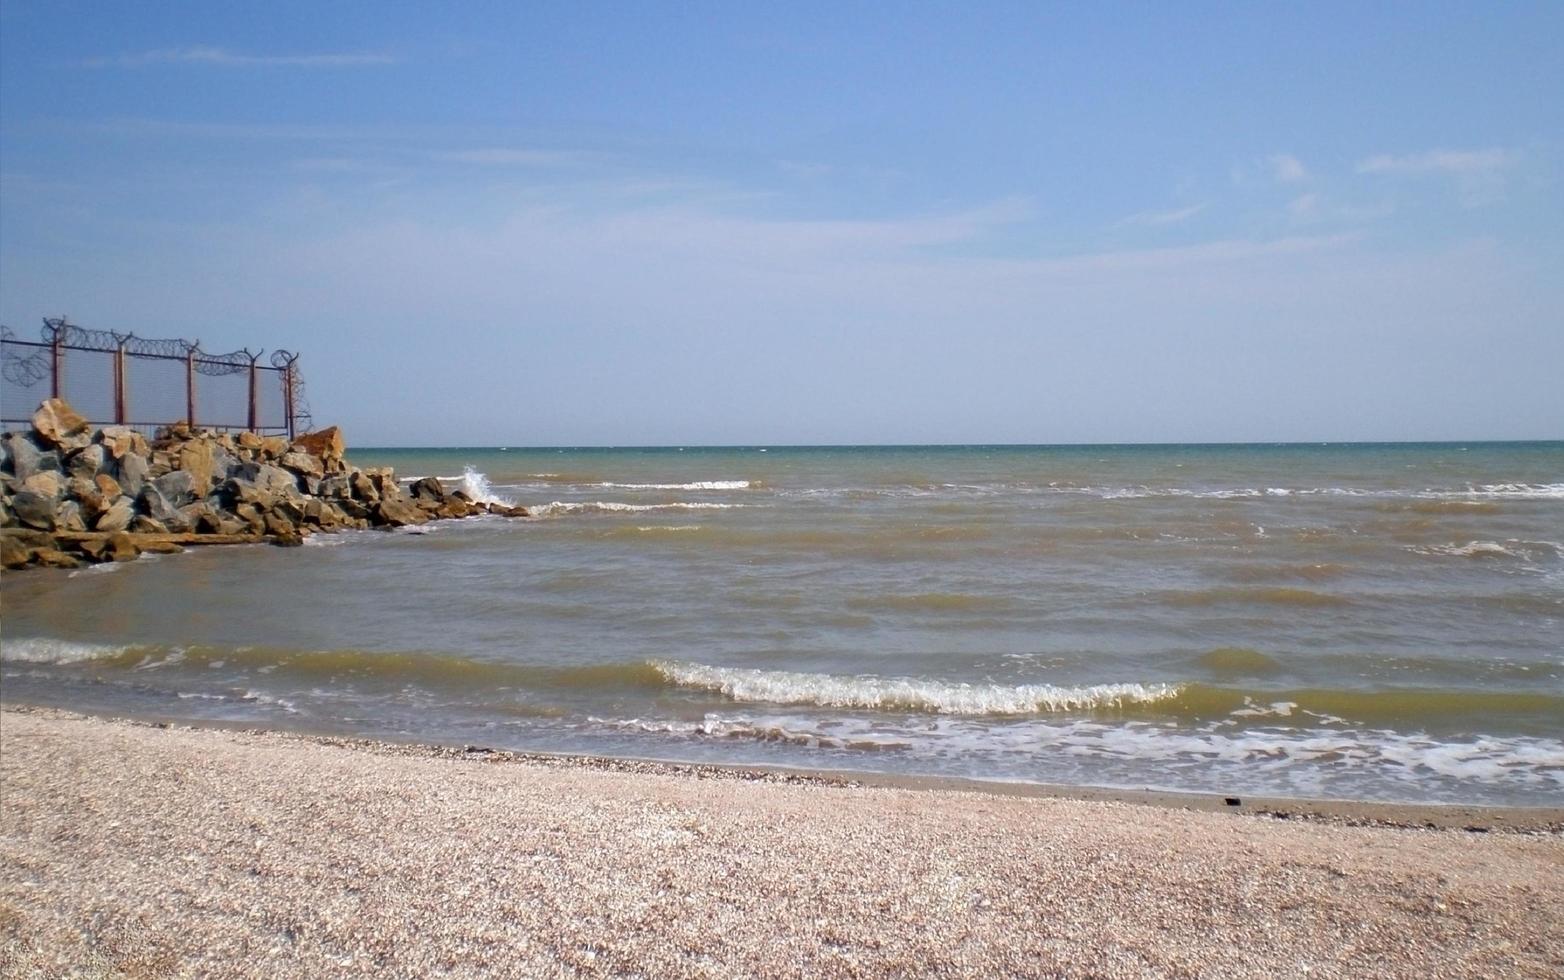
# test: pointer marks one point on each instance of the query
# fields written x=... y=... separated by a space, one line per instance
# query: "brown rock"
x=249 y=440
x=326 y=443
x=117 y=516
x=14 y=552
x=48 y=483
x=51 y=558
x=273 y=447
x=56 y=421
x=35 y=509
x=399 y=513
x=107 y=485
x=303 y=463
x=148 y=525
x=123 y=547
x=200 y=458
x=280 y=526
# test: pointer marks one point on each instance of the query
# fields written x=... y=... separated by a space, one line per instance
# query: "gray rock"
x=118 y=515
x=303 y=463
x=178 y=488
x=148 y=525
x=35 y=509
x=151 y=502
x=428 y=488
x=133 y=472
x=25 y=457
x=68 y=517
x=86 y=463
x=266 y=476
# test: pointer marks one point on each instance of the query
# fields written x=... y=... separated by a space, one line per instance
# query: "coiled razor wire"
x=17 y=369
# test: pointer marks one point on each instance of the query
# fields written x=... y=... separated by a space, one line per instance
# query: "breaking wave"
x=697 y=485
x=476 y=486
x=614 y=507
x=906 y=694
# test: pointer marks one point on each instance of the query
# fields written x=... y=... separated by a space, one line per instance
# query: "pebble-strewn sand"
x=176 y=851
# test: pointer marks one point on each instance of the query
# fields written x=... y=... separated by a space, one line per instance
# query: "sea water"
x=1351 y=621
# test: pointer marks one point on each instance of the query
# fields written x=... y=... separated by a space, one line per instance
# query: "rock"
x=162 y=461
x=267 y=477
x=249 y=440
x=151 y=502
x=205 y=461
x=118 y=441
x=280 y=526
x=94 y=548
x=201 y=518
x=133 y=472
x=7 y=518
x=15 y=552
x=56 y=422
x=49 y=483
x=117 y=516
x=51 y=558
x=79 y=489
x=428 y=488
x=178 y=487
x=68 y=517
x=143 y=524
x=303 y=463
x=335 y=486
x=363 y=487
x=24 y=457
x=273 y=447
x=399 y=513
x=123 y=547
x=86 y=462
x=107 y=485
x=325 y=443
x=35 y=509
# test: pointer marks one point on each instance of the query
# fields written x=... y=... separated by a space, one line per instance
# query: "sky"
x=586 y=223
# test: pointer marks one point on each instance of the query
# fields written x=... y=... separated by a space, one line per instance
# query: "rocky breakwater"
x=74 y=494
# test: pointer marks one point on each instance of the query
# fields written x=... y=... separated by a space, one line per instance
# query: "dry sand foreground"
x=176 y=851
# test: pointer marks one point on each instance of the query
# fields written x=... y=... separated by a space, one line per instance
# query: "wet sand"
x=126 y=847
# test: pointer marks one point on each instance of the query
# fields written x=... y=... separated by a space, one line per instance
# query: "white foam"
x=476 y=486
x=905 y=694
x=669 y=527
x=697 y=485
x=44 y=650
x=100 y=569
x=613 y=507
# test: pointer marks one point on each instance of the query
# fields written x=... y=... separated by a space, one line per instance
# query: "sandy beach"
x=131 y=848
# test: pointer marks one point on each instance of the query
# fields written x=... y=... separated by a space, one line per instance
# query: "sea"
x=1367 y=622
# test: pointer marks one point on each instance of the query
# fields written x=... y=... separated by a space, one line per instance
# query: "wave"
x=906 y=694
x=44 y=650
x=1264 y=596
x=697 y=485
x=1511 y=548
x=614 y=507
x=929 y=602
x=1240 y=661
x=477 y=487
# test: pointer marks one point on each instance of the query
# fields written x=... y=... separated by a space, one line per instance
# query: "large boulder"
x=122 y=547
x=86 y=462
x=57 y=423
x=326 y=443
x=303 y=463
x=265 y=476
x=25 y=457
x=178 y=487
x=68 y=517
x=398 y=513
x=119 y=440
x=48 y=483
x=35 y=509
x=117 y=516
x=133 y=472
x=151 y=502
x=428 y=488
x=205 y=461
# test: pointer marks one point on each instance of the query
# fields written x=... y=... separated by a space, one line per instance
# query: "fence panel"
x=121 y=378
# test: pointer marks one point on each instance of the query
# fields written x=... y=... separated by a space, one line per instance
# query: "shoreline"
x=1473 y=818
x=131 y=849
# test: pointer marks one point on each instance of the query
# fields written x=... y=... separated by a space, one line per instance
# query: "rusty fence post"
x=120 y=413
x=254 y=392
x=190 y=387
x=287 y=395
x=56 y=357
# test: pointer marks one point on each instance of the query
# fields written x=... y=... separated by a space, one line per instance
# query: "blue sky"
x=641 y=223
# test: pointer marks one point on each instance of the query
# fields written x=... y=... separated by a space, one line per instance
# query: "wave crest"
x=906 y=694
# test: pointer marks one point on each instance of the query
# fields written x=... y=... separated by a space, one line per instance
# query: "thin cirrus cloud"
x=1287 y=169
x=1162 y=217
x=223 y=58
x=1452 y=162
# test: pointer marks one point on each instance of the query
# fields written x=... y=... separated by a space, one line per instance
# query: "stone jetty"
x=75 y=494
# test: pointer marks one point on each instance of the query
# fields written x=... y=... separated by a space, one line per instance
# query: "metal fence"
x=121 y=379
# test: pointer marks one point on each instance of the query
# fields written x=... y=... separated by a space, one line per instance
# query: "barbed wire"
x=283 y=360
x=25 y=371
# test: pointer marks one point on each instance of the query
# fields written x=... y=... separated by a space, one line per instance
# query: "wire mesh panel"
x=87 y=382
x=25 y=377
x=155 y=391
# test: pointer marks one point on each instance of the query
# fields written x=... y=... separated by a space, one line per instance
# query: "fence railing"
x=120 y=379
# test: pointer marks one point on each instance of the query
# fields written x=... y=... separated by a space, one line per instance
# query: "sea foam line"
x=697 y=485
x=905 y=694
x=614 y=507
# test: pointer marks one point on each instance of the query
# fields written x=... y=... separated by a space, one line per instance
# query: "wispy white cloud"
x=1452 y=162
x=1161 y=217
x=1287 y=169
x=224 y=58
x=512 y=157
